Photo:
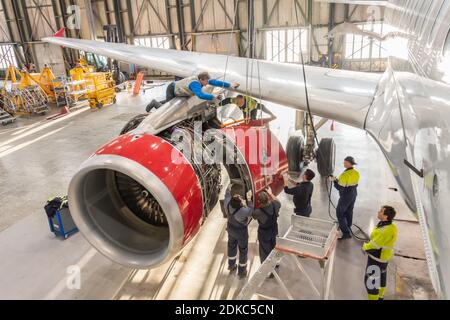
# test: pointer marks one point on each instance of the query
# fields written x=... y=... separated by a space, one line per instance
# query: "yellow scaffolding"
x=101 y=86
x=26 y=96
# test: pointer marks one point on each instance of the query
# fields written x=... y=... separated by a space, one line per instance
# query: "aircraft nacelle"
x=143 y=196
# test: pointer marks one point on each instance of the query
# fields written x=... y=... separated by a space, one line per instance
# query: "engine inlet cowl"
x=134 y=203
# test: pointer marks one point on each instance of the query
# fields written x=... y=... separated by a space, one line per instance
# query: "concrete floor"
x=39 y=157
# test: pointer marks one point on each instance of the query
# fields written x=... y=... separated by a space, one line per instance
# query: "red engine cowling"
x=139 y=207
x=265 y=157
x=134 y=204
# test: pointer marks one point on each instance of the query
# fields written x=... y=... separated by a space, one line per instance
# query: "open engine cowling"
x=134 y=204
x=138 y=200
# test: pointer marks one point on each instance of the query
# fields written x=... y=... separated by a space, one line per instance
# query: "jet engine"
x=140 y=199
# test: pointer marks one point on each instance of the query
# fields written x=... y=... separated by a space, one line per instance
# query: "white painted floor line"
x=4 y=148
x=25 y=144
x=62 y=284
x=16 y=128
x=27 y=128
x=9 y=130
x=46 y=125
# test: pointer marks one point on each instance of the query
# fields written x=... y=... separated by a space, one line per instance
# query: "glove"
x=249 y=196
x=219 y=97
x=235 y=85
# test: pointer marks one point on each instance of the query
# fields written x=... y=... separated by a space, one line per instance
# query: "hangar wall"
x=220 y=26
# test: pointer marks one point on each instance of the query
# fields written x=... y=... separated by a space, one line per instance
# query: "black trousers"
x=170 y=93
x=237 y=239
x=344 y=213
x=267 y=239
x=304 y=213
x=375 y=277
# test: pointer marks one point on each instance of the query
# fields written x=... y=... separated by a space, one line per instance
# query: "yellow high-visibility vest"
x=349 y=178
x=250 y=104
x=382 y=238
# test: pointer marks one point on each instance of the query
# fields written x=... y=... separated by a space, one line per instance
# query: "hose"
x=329 y=191
x=330 y=203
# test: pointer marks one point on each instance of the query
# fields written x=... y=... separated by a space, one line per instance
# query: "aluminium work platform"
x=306 y=238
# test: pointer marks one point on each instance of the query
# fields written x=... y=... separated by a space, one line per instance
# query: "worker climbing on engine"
x=347 y=185
x=238 y=215
x=249 y=106
x=192 y=86
x=380 y=250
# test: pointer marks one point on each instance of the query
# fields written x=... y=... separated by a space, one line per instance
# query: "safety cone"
x=138 y=83
x=64 y=112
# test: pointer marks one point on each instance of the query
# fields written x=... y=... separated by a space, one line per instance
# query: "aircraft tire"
x=294 y=151
x=326 y=157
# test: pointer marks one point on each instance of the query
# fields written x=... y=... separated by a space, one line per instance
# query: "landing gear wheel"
x=294 y=150
x=326 y=156
x=133 y=123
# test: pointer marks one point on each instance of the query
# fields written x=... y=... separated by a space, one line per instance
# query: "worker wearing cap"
x=380 y=250
x=248 y=106
x=192 y=86
x=347 y=185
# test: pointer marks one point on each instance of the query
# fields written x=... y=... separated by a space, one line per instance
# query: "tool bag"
x=55 y=204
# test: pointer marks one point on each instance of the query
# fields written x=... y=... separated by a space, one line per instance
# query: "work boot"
x=153 y=104
x=232 y=268
x=242 y=272
x=345 y=236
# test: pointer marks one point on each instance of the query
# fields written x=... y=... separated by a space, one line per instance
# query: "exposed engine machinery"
x=139 y=206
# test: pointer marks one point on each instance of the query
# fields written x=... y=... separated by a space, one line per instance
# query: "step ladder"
x=306 y=238
x=35 y=100
x=5 y=117
x=30 y=100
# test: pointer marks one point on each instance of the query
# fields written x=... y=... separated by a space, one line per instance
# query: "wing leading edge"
x=344 y=96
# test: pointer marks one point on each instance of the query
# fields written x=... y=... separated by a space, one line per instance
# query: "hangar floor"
x=38 y=158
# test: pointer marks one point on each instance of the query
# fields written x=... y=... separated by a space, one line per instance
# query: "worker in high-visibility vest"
x=248 y=105
x=380 y=250
x=347 y=185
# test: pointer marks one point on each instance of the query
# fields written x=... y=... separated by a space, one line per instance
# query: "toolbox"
x=61 y=223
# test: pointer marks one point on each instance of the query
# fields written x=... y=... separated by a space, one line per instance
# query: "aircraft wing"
x=344 y=96
x=381 y=3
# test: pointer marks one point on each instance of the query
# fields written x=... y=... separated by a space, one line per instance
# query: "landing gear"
x=302 y=151
x=326 y=156
x=295 y=152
